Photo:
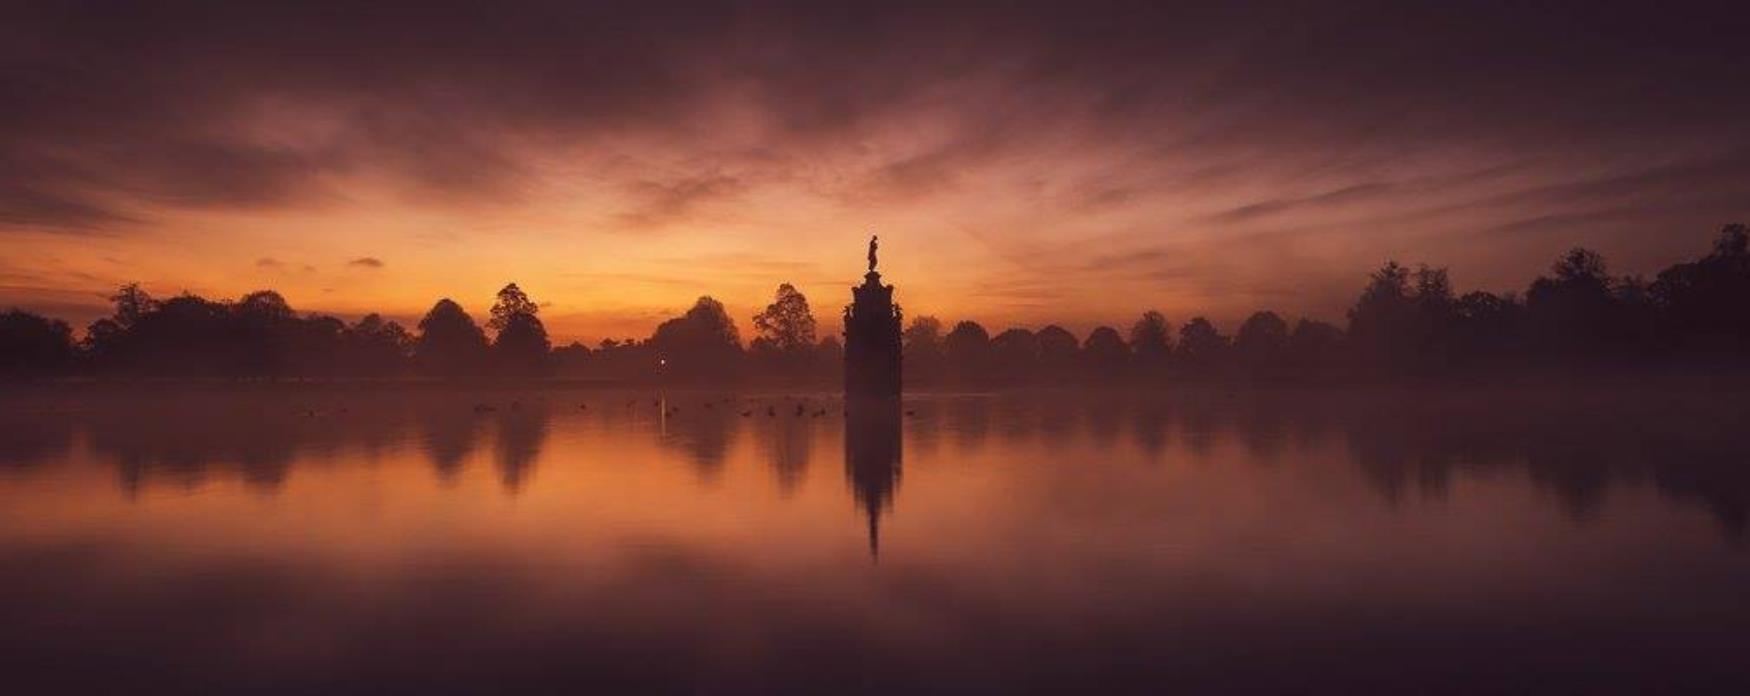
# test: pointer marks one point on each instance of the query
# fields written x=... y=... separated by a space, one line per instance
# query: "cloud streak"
x=1341 y=132
x=258 y=106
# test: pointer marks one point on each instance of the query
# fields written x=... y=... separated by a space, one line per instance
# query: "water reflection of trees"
x=704 y=435
x=1689 y=449
x=1148 y=426
x=33 y=438
x=969 y=421
x=1574 y=448
x=1405 y=446
x=789 y=448
x=448 y=436
x=189 y=437
x=184 y=439
x=522 y=430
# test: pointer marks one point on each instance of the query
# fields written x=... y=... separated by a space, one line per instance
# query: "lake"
x=408 y=539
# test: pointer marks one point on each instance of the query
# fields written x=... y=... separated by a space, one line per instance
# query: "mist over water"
x=417 y=538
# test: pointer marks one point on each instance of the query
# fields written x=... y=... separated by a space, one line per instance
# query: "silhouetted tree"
x=450 y=343
x=266 y=307
x=1203 y=351
x=573 y=360
x=105 y=339
x=311 y=346
x=968 y=351
x=1405 y=322
x=521 y=345
x=1315 y=350
x=262 y=334
x=102 y=342
x=1574 y=311
x=182 y=336
x=512 y=303
x=1151 y=343
x=786 y=342
x=829 y=357
x=922 y=349
x=1058 y=353
x=1383 y=317
x=1261 y=345
x=1104 y=354
x=34 y=346
x=617 y=359
x=1488 y=327
x=1430 y=341
x=1015 y=356
x=377 y=348
x=1704 y=305
x=131 y=303
x=521 y=434
x=701 y=344
x=786 y=323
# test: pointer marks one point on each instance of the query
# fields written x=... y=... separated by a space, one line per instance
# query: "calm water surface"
x=352 y=540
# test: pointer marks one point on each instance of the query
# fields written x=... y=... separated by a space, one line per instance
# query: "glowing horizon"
x=1022 y=168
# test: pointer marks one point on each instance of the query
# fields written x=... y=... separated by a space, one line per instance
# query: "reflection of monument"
x=872 y=397
x=872 y=337
x=872 y=458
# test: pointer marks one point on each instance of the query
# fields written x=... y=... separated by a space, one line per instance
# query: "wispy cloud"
x=1181 y=153
x=658 y=203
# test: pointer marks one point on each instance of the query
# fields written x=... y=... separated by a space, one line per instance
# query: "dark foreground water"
x=421 y=540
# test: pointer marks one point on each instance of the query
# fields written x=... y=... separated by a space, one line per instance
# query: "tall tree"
x=264 y=333
x=1435 y=323
x=106 y=339
x=1151 y=342
x=1402 y=319
x=1201 y=346
x=33 y=346
x=1104 y=353
x=1487 y=327
x=703 y=343
x=1382 y=315
x=520 y=345
x=786 y=331
x=377 y=347
x=1058 y=350
x=968 y=351
x=1261 y=342
x=1314 y=350
x=264 y=306
x=450 y=343
x=1703 y=303
x=1573 y=311
x=131 y=303
x=1015 y=355
x=921 y=348
x=829 y=357
x=185 y=335
x=512 y=303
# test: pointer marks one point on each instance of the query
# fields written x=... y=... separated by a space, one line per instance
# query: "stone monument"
x=872 y=345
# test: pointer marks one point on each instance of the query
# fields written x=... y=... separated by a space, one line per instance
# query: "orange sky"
x=1021 y=168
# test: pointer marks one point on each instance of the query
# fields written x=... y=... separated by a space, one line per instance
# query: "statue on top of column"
x=872 y=336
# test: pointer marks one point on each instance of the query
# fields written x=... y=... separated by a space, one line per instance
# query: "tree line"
x=1407 y=322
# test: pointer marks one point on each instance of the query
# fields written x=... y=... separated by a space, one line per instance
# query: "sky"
x=1024 y=163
